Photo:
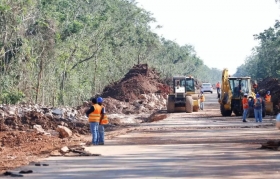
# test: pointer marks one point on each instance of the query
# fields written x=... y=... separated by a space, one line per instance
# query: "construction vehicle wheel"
x=195 y=103
x=170 y=105
x=237 y=113
x=225 y=99
x=225 y=112
x=189 y=104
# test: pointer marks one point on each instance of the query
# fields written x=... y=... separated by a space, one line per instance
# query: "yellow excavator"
x=183 y=97
x=232 y=91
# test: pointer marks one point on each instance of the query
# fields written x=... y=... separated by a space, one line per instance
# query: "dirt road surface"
x=198 y=145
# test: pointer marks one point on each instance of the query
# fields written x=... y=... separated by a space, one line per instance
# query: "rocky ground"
x=202 y=144
x=21 y=147
x=31 y=131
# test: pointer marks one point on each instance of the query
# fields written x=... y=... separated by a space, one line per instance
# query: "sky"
x=221 y=31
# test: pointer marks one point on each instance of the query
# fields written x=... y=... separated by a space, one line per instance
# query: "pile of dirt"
x=272 y=85
x=158 y=116
x=271 y=144
x=47 y=119
x=24 y=118
x=139 y=80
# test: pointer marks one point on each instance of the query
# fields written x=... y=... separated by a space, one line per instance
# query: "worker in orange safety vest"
x=218 y=86
x=202 y=99
x=103 y=121
x=267 y=97
x=94 y=114
x=245 y=104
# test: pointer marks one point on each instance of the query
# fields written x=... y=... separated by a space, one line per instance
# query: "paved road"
x=198 y=145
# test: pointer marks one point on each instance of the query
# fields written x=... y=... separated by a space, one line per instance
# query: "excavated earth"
x=135 y=99
x=31 y=118
x=21 y=147
x=139 y=80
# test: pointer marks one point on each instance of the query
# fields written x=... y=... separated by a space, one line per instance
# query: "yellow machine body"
x=183 y=98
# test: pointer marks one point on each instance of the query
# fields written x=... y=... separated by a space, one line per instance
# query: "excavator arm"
x=226 y=94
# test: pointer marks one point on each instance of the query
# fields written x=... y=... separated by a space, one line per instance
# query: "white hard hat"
x=245 y=94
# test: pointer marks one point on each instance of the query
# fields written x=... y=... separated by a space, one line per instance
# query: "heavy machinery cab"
x=239 y=86
x=181 y=85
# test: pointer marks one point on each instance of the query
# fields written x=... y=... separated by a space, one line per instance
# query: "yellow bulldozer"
x=232 y=91
x=183 y=97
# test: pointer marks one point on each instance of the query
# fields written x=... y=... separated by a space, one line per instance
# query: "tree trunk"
x=94 y=77
x=39 y=80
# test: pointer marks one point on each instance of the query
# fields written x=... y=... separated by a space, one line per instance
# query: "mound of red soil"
x=139 y=80
x=20 y=147
x=48 y=123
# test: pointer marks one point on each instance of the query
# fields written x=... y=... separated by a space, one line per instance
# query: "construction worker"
x=245 y=104
x=258 y=108
x=218 y=86
x=255 y=86
x=202 y=99
x=103 y=121
x=178 y=84
x=237 y=91
x=94 y=115
x=267 y=97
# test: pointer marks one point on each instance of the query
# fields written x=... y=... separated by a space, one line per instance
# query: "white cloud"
x=220 y=30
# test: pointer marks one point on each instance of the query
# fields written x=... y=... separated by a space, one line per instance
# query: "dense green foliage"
x=265 y=58
x=61 y=52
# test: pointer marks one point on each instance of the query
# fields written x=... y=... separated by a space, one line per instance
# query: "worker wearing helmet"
x=94 y=114
x=267 y=97
x=103 y=121
x=245 y=104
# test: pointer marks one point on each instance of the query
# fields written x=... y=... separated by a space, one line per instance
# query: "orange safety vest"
x=245 y=103
x=267 y=98
x=104 y=120
x=218 y=85
x=95 y=115
x=202 y=98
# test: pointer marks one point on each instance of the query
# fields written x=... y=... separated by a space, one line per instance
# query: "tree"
x=61 y=52
x=265 y=58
